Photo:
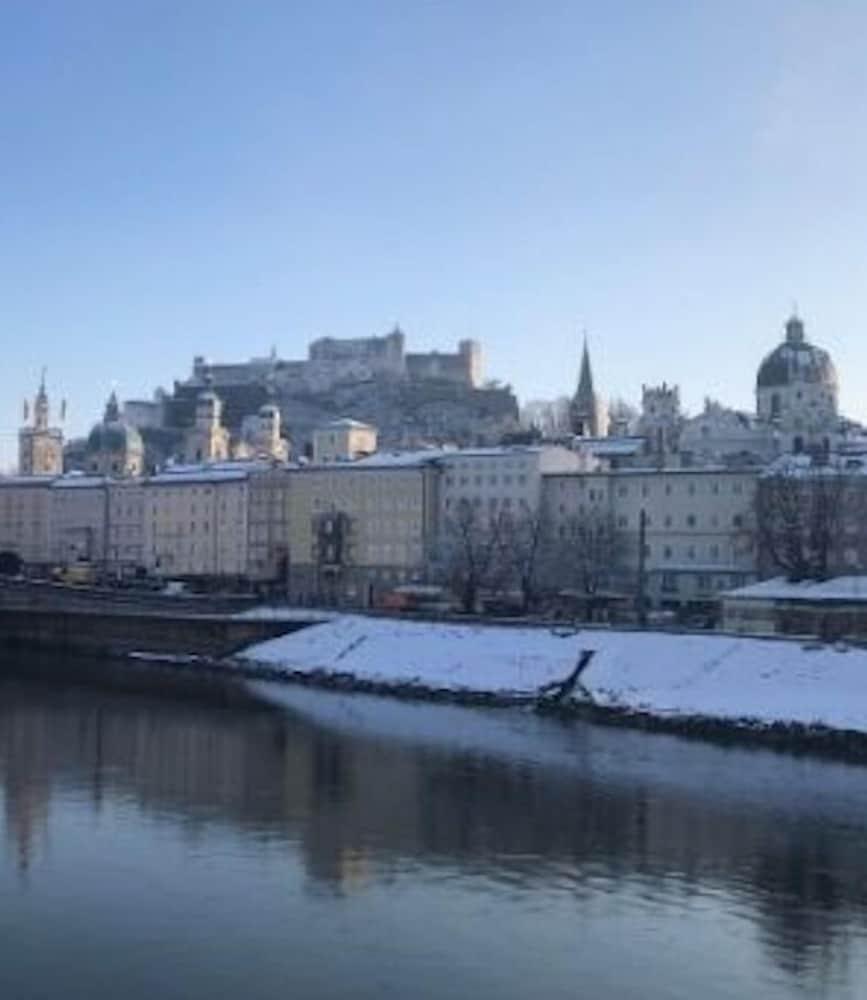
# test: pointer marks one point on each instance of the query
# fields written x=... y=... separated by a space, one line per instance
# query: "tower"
x=207 y=440
x=40 y=446
x=660 y=419
x=587 y=413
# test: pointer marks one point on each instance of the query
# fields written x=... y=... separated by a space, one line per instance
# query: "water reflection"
x=520 y=805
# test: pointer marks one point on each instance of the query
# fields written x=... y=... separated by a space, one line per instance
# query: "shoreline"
x=786 y=737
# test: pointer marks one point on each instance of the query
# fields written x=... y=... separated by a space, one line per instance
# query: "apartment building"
x=269 y=496
x=25 y=518
x=195 y=522
x=79 y=519
x=699 y=535
x=125 y=531
x=357 y=529
x=495 y=480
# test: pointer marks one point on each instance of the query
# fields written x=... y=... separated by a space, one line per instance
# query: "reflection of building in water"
x=358 y=808
x=26 y=772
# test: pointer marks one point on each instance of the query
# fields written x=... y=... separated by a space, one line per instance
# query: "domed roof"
x=112 y=434
x=796 y=360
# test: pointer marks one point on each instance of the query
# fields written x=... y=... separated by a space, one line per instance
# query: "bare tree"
x=526 y=550
x=470 y=552
x=590 y=552
x=798 y=521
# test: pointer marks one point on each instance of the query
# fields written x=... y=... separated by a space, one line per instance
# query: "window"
x=737 y=521
x=666 y=552
x=622 y=522
x=622 y=491
x=690 y=520
x=691 y=489
x=668 y=489
x=668 y=520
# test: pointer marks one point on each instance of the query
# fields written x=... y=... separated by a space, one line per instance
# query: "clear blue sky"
x=212 y=177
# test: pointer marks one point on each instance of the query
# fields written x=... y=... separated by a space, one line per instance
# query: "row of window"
x=506 y=479
x=646 y=490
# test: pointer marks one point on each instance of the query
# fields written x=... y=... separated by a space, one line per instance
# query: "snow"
x=841 y=588
x=728 y=677
x=282 y=613
x=505 y=660
x=664 y=674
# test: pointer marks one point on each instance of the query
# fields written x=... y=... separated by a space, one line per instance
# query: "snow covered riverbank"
x=668 y=676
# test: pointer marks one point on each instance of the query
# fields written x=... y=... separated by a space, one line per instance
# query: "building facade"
x=195 y=523
x=356 y=530
x=343 y=440
x=698 y=528
x=79 y=520
x=25 y=518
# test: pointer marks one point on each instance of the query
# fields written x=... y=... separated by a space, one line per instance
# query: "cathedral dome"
x=796 y=361
x=113 y=446
x=113 y=436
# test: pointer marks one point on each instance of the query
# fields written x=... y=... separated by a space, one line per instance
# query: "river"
x=176 y=837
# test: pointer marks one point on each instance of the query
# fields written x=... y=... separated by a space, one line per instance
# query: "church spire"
x=585 y=379
x=586 y=414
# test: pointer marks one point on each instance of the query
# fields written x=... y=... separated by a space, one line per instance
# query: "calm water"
x=162 y=837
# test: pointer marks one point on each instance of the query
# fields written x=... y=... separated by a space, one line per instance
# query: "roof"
x=390 y=459
x=604 y=446
x=198 y=476
x=78 y=480
x=796 y=361
x=38 y=479
x=840 y=588
x=348 y=422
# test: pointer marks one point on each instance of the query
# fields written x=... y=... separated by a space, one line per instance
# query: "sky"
x=219 y=177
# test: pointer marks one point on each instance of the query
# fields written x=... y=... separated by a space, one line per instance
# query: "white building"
x=796 y=392
x=25 y=518
x=698 y=532
x=195 y=522
x=125 y=541
x=79 y=519
x=505 y=479
x=343 y=440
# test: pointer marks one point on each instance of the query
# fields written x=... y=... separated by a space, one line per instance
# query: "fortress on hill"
x=331 y=361
x=412 y=398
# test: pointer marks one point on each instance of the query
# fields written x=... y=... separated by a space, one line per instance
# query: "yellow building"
x=358 y=529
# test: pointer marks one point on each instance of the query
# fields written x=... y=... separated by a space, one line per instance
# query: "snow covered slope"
x=664 y=674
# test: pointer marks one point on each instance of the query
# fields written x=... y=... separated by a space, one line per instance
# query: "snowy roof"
x=840 y=588
x=201 y=475
x=78 y=480
x=35 y=480
x=349 y=422
x=253 y=465
x=603 y=446
x=392 y=459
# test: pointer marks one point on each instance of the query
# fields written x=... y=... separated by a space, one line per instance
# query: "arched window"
x=775 y=404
